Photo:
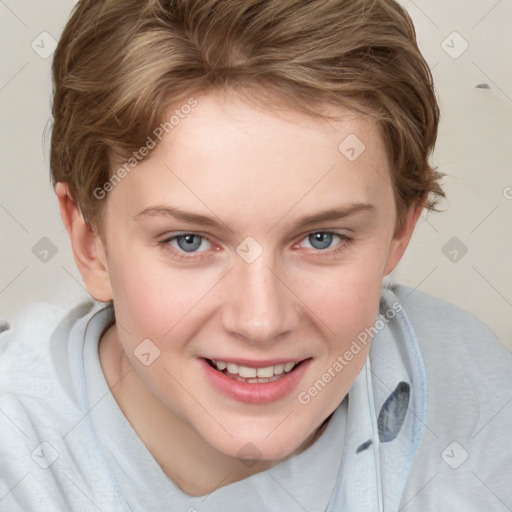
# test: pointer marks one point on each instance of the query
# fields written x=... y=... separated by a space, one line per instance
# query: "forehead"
x=274 y=132
x=238 y=159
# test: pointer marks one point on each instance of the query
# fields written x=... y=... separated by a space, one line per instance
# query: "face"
x=248 y=252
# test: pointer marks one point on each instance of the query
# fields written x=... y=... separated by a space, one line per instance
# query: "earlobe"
x=87 y=245
x=401 y=239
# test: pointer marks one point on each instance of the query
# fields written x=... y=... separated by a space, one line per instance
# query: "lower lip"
x=255 y=392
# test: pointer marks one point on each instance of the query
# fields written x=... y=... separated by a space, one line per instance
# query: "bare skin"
x=256 y=174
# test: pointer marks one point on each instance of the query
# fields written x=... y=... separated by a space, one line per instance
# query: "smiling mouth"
x=254 y=375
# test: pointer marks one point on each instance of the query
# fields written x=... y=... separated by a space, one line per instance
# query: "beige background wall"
x=463 y=255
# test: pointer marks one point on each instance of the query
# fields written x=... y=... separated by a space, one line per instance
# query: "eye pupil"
x=320 y=240
x=189 y=243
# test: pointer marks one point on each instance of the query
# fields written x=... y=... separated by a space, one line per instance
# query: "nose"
x=259 y=306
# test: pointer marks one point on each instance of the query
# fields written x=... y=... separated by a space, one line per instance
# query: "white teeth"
x=246 y=372
x=250 y=373
x=288 y=366
x=278 y=369
x=266 y=372
x=232 y=368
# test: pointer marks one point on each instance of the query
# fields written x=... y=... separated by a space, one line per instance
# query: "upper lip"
x=251 y=363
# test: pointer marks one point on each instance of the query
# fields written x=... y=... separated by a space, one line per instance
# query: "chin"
x=260 y=446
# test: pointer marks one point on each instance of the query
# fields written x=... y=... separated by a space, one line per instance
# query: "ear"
x=88 y=248
x=402 y=238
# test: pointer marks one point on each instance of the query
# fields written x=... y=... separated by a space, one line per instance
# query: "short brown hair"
x=121 y=63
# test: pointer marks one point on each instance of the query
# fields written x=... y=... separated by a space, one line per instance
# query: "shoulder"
x=460 y=353
x=446 y=329
x=423 y=308
x=49 y=448
x=36 y=376
x=33 y=343
x=465 y=449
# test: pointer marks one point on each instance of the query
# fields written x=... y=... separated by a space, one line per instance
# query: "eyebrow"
x=329 y=215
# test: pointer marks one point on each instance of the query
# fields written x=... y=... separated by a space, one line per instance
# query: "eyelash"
x=182 y=256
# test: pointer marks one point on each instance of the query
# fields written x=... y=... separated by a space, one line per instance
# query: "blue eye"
x=323 y=240
x=187 y=242
x=320 y=240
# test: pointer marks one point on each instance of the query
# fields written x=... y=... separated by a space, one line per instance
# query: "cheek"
x=141 y=293
x=151 y=298
x=345 y=299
